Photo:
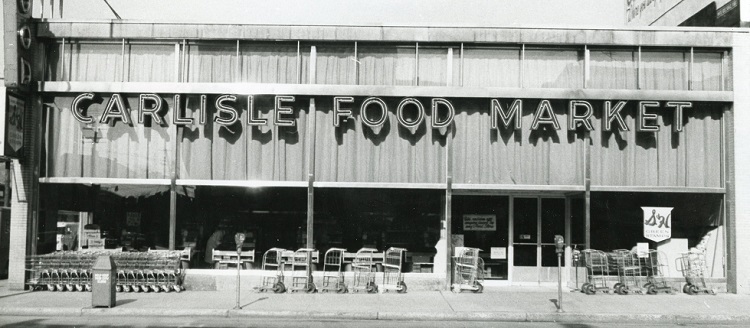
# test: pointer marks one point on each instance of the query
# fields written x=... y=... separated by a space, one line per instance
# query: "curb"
x=386 y=316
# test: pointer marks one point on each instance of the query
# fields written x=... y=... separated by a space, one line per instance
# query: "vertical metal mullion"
x=356 y=63
x=639 y=71
x=416 y=63
x=691 y=71
x=522 y=66
x=62 y=59
x=122 y=61
x=299 y=64
x=177 y=62
x=586 y=67
x=511 y=251
x=724 y=56
x=461 y=69
x=238 y=68
x=539 y=239
x=184 y=61
x=312 y=74
x=449 y=68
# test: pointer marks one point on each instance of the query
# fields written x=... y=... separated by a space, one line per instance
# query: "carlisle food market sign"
x=373 y=112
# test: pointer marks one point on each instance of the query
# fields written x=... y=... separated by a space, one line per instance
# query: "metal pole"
x=239 y=263
x=559 y=283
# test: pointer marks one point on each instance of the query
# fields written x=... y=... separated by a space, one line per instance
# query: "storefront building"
x=426 y=138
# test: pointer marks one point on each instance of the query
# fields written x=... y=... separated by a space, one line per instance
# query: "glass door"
x=536 y=221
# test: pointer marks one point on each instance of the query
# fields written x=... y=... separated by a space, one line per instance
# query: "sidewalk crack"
x=446 y=301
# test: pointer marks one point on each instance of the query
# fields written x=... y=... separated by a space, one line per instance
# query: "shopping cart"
x=363 y=266
x=597 y=270
x=272 y=275
x=393 y=277
x=468 y=271
x=333 y=276
x=629 y=272
x=302 y=279
x=693 y=268
x=658 y=267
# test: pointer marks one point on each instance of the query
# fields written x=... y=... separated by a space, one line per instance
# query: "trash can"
x=103 y=282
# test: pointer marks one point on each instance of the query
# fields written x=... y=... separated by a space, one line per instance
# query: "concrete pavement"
x=512 y=304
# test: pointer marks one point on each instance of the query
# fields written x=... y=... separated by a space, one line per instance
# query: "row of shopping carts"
x=136 y=271
x=641 y=273
x=363 y=266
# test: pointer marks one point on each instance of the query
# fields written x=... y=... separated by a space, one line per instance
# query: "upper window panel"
x=553 y=68
x=151 y=63
x=707 y=71
x=269 y=63
x=335 y=64
x=436 y=68
x=387 y=65
x=212 y=63
x=490 y=67
x=665 y=70
x=94 y=62
x=612 y=69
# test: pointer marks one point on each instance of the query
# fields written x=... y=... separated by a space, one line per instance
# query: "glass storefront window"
x=90 y=62
x=268 y=62
x=387 y=65
x=380 y=218
x=212 y=62
x=696 y=224
x=491 y=67
x=613 y=69
x=664 y=70
x=126 y=217
x=553 y=68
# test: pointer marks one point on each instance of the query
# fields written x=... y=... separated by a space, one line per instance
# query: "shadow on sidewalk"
x=20 y=293
x=255 y=301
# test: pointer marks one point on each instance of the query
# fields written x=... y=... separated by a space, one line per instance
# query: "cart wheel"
x=617 y=287
x=622 y=290
x=126 y=288
x=371 y=288
x=651 y=290
x=686 y=288
x=279 y=288
x=590 y=290
x=341 y=288
x=177 y=288
x=584 y=287
x=155 y=288
x=310 y=288
x=694 y=289
x=402 y=288
x=479 y=289
x=166 y=289
x=118 y=289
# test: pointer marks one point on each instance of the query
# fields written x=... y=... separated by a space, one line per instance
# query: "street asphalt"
x=508 y=304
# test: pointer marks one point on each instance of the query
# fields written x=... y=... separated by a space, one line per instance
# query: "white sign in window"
x=480 y=222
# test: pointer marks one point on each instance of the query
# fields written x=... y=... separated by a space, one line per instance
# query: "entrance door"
x=535 y=222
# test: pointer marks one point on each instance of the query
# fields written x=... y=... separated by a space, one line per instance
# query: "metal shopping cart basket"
x=333 y=276
x=693 y=268
x=302 y=279
x=658 y=267
x=468 y=271
x=393 y=277
x=272 y=275
x=597 y=270
x=629 y=272
x=363 y=266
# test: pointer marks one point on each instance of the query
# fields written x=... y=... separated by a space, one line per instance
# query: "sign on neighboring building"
x=657 y=223
x=12 y=109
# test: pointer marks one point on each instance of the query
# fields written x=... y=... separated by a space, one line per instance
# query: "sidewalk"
x=513 y=304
